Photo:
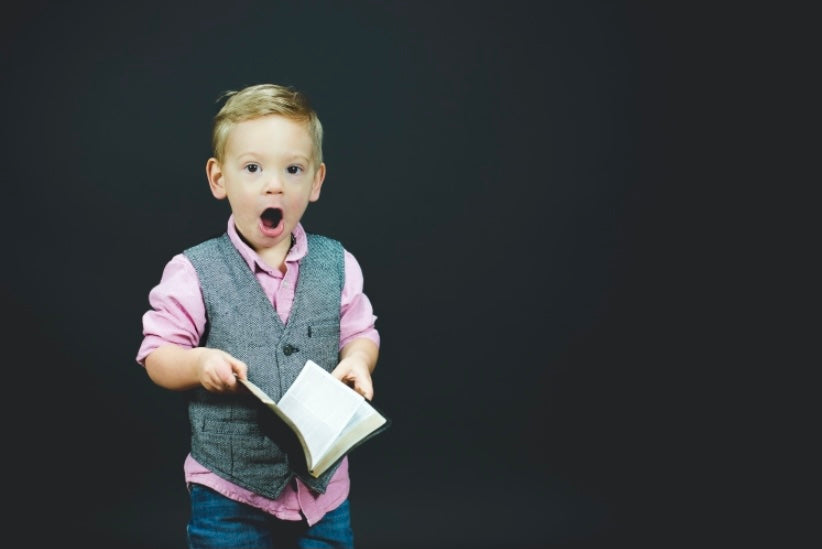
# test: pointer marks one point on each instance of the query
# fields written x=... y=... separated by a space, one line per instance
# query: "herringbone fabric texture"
x=231 y=434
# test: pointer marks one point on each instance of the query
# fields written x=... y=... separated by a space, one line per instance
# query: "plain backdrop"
x=550 y=202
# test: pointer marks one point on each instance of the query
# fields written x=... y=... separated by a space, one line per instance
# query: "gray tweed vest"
x=233 y=434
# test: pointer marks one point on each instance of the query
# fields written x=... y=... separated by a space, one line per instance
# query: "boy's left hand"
x=354 y=372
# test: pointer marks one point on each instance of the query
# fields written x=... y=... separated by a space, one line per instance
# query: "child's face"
x=269 y=177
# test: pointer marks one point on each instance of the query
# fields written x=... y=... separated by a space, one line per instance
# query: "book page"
x=259 y=393
x=328 y=416
x=320 y=406
x=364 y=421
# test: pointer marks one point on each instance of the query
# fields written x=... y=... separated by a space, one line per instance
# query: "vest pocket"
x=321 y=343
x=244 y=451
x=323 y=330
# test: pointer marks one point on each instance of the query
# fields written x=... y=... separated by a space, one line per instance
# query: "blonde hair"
x=264 y=100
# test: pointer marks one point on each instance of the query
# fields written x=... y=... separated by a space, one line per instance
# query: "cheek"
x=241 y=202
x=297 y=204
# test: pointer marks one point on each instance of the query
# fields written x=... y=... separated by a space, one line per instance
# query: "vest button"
x=289 y=349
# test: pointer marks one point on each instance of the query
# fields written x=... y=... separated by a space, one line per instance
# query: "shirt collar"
x=299 y=247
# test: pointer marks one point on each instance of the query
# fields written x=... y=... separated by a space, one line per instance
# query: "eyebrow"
x=255 y=155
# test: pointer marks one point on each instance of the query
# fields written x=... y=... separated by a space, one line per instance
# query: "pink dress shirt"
x=177 y=316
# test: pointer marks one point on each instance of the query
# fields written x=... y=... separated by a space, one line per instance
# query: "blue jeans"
x=219 y=522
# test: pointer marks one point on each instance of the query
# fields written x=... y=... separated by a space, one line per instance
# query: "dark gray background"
x=556 y=210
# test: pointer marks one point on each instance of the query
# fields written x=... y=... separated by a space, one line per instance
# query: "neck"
x=275 y=256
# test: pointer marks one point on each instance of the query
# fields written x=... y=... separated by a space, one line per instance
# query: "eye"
x=294 y=169
x=253 y=168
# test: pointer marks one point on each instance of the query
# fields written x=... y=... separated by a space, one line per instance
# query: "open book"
x=328 y=417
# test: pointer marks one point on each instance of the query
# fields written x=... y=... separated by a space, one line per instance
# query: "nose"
x=273 y=184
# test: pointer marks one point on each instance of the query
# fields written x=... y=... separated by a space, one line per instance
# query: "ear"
x=319 y=177
x=215 y=178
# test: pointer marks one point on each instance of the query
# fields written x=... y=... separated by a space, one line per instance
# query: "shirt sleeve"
x=177 y=310
x=356 y=313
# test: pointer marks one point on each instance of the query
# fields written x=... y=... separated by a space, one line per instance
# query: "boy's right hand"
x=218 y=371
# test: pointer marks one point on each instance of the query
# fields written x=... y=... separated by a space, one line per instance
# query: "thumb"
x=365 y=388
x=239 y=368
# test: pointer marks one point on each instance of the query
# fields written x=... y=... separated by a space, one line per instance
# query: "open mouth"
x=271 y=217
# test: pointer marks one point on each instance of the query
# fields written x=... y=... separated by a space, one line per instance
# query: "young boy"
x=255 y=303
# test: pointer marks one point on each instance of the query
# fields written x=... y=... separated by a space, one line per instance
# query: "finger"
x=365 y=389
x=226 y=378
x=239 y=369
x=339 y=373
